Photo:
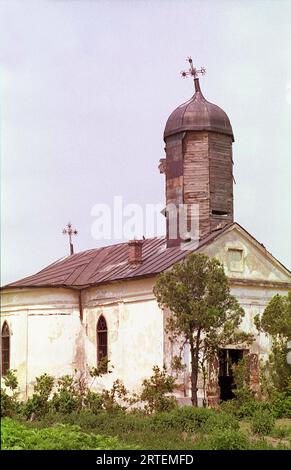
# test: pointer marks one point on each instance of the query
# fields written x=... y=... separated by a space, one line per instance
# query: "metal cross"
x=193 y=72
x=70 y=231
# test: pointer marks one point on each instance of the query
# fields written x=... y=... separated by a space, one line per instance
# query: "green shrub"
x=65 y=402
x=281 y=405
x=16 y=436
x=38 y=405
x=155 y=389
x=186 y=418
x=262 y=422
x=9 y=406
x=110 y=397
x=93 y=401
x=67 y=398
x=9 y=396
x=228 y=440
x=248 y=408
x=221 y=420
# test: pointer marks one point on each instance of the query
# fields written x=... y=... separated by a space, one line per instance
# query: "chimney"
x=135 y=251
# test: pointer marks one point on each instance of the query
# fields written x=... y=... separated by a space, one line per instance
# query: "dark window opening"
x=228 y=357
x=102 y=340
x=5 y=349
x=216 y=212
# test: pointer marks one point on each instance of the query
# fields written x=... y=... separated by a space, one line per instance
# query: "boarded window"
x=102 y=339
x=5 y=347
x=235 y=259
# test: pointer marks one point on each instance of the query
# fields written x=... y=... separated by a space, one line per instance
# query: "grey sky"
x=86 y=88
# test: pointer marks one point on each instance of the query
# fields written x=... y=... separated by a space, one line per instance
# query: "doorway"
x=228 y=357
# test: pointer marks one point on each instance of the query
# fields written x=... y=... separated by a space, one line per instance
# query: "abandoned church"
x=100 y=302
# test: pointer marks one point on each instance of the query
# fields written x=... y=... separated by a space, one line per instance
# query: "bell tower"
x=198 y=165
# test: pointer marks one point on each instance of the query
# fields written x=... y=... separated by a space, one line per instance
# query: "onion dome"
x=198 y=114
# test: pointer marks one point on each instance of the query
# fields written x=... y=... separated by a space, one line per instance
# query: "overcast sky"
x=86 y=89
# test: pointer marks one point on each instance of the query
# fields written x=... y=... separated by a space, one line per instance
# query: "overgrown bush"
x=109 y=397
x=228 y=440
x=262 y=422
x=9 y=396
x=38 y=405
x=186 y=418
x=276 y=323
x=155 y=391
x=67 y=398
x=191 y=419
x=221 y=420
x=16 y=436
x=93 y=402
x=281 y=405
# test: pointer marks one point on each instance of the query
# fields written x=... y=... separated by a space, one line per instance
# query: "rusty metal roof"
x=108 y=264
x=198 y=114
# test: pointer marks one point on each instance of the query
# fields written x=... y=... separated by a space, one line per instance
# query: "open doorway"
x=228 y=357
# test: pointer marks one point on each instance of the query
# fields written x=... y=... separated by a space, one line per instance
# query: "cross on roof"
x=193 y=72
x=68 y=230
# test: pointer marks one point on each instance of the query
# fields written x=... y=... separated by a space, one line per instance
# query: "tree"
x=276 y=323
x=276 y=319
x=203 y=312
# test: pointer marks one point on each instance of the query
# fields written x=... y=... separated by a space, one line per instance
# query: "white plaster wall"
x=51 y=343
x=135 y=331
x=44 y=325
x=17 y=322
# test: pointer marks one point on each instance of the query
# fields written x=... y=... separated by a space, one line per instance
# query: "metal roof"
x=198 y=114
x=110 y=263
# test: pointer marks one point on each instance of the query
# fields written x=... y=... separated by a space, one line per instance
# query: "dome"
x=198 y=114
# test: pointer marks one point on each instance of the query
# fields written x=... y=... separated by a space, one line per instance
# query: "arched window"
x=102 y=341
x=5 y=348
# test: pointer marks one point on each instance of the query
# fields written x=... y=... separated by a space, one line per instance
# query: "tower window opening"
x=221 y=213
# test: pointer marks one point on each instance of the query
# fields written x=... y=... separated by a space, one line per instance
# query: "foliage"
x=189 y=419
x=182 y=428
x=184 y=419
x=101 y=368
x=241 y=378
x=276 y=319
x=276 y=372
x=229 y=440
x=276 y=323
x=262 y=422
x=16 y=436
x=221 y=420
x=279 y=406
x=281 y=432
x=93 y=402
x=109 y=397
x=38 y=404
x=155 y=389
x=67 y=397
x=9 y=395
x=203 y=312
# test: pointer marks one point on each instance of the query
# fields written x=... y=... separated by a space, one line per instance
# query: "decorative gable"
x=245 y=258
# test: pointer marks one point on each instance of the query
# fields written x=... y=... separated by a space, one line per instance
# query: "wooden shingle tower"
x=198 y=166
